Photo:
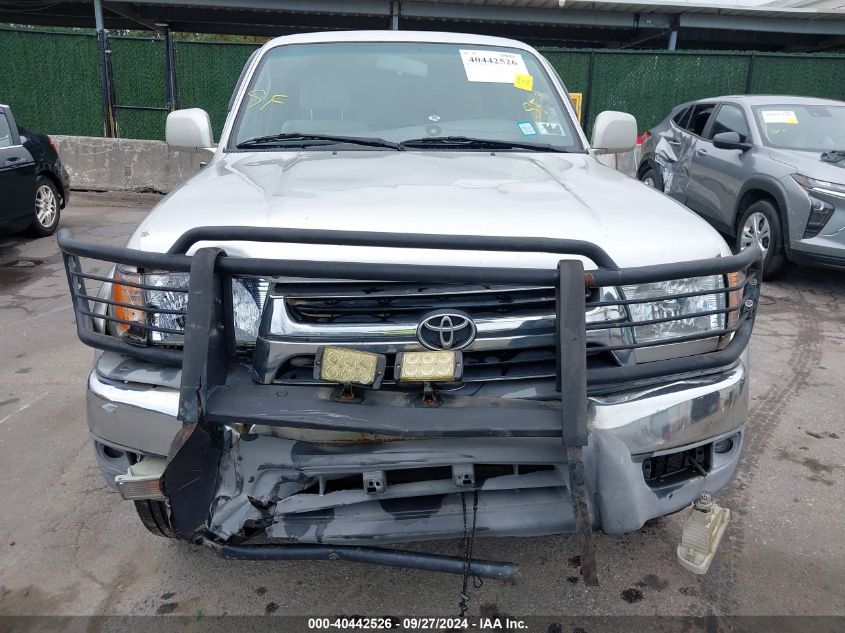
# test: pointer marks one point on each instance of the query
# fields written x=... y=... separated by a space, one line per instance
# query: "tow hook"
x=704 y=525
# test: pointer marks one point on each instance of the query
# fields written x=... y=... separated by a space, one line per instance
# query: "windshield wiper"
x=315 y=139
x=477 y=143
x=833 y=156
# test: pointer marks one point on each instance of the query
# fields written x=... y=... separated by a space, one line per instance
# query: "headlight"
x=130 y=318
x=820 y=210
x=172 y=301
x=248 y=297
x=820 y=186
x=660 y=304
x=165 y=297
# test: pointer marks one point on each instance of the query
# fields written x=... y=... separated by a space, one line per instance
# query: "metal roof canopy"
x=612 y=23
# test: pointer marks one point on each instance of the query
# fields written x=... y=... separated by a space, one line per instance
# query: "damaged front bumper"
x=619 y=444
x=273 y=481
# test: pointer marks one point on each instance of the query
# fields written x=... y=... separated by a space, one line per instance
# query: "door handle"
x=701 y=152
x=12 y=160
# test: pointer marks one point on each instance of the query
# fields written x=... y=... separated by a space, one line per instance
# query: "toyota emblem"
x=446 y=330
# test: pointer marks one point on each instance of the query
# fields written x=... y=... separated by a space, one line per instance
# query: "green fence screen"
x=52 y=81
x=138 y=71
x=206 y=75
x=795 y=75
x=645 y=83
x=649 y=85
x=573 y=68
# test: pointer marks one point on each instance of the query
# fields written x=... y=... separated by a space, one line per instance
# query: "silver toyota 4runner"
x=405 y=301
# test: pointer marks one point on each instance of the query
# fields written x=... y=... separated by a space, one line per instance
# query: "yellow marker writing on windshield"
x=256 y=97
x=537 y=109
x=279 y=99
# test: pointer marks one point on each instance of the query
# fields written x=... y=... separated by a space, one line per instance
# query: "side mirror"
x=730 y=140
x=189 y=130
x=614 y=133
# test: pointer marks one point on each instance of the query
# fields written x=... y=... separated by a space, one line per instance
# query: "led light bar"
x=349 y=367
x=441 y=366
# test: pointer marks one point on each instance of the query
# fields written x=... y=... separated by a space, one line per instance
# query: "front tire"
x=153 y=515
x=760 y=224
x=46 y=211
x=651 y=178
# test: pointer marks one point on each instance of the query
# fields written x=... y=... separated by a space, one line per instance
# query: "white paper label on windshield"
x=780 y=116
x=493 y=66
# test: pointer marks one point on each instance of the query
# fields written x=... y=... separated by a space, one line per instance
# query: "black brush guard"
x=206 y=403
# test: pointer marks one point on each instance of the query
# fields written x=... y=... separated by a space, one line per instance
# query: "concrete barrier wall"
x=108 y=164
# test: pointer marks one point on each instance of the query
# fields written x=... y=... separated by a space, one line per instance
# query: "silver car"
x=766 y=170
x=404 y=301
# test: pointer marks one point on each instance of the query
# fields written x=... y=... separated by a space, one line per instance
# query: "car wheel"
x=652 y=179
x=760 y=224
x=46 y=208
x=153 y=515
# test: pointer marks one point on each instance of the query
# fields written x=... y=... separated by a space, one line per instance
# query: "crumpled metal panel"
x=528 y=512
x=261 y=476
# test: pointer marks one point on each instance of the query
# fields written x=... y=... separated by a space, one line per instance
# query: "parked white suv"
x=405 y=301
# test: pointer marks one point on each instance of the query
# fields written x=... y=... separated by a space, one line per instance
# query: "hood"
x=465 y=193
x=810 y=164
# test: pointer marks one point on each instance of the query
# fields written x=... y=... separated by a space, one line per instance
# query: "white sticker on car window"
x=549 y=128
x=780 y=116
x=493 y=66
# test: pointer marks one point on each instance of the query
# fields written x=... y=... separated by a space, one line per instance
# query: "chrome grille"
x=516 y=327
x=389 y=303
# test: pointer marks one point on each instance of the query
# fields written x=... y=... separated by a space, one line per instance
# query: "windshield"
x=818 y=128
x=399 y=92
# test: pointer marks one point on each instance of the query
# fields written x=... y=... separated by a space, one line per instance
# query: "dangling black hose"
x=372 y=555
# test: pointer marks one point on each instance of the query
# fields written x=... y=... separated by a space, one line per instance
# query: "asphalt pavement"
x=70 y=546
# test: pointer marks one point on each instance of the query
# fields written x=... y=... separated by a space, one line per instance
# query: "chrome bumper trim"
x=645 y=420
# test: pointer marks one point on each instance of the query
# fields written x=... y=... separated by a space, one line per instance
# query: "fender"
x=774 y=188
x=44 y=157
x=646 y=160
x=45 y=167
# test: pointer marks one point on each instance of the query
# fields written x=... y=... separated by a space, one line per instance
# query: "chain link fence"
x=53 y=84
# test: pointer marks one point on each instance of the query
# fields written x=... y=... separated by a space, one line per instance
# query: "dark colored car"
x=763 y=169
x=34 y=185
